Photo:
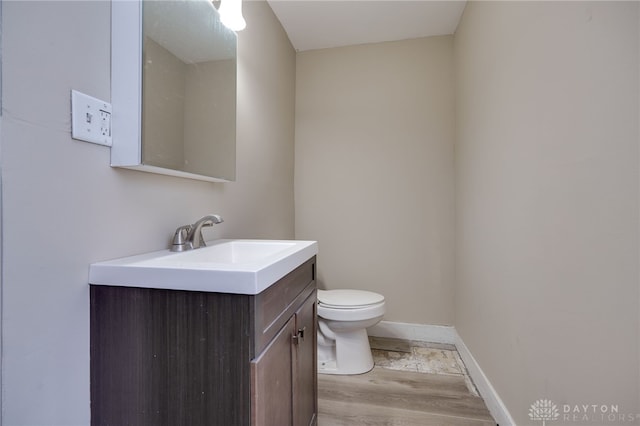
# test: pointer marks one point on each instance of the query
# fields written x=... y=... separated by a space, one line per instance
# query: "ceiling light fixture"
x=231 y=14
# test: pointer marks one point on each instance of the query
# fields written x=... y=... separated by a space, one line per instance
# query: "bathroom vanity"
x=163 y=356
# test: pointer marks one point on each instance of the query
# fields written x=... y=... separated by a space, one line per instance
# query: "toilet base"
x=351 y=354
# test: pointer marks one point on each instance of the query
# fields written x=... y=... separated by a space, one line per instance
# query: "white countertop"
x=224 y=266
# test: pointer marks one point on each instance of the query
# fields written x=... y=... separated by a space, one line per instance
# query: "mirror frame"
x=126 y=92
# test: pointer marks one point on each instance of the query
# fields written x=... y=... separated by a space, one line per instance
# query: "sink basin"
x=222 y=252
x=224 y=266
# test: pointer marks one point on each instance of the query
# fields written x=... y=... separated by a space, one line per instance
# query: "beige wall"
x=547 y=200
x=64 y=207
x=374 y=171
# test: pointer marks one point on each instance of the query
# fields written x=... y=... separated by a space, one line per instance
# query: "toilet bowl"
x=343 y=318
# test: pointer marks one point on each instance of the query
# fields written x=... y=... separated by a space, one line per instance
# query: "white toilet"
x=343 y=318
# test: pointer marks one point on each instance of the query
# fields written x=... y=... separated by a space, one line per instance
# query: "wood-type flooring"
x=388 y=396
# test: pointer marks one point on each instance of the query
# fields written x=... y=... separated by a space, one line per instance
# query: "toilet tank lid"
x=346 y=298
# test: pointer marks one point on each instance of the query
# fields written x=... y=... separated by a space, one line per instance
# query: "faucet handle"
x=180 y=238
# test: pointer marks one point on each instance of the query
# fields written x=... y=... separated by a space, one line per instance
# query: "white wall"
x=374 y=171
x=64 y=207
x=547 y=201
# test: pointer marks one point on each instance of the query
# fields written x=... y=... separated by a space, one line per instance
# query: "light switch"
x=90 y=119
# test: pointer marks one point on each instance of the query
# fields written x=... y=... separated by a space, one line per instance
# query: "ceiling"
x=319 y=24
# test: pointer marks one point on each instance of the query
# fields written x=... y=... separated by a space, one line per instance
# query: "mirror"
x=174 y=108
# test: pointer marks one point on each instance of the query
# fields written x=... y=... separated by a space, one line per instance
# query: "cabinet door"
x=305 y=364
x=272 y=381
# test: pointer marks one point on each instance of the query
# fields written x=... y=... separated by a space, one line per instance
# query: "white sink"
x=224 y=266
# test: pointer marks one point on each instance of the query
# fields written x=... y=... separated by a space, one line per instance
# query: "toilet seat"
x=350 y=305
x=348 y=299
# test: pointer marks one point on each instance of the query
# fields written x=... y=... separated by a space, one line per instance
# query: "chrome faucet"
x=189 y=237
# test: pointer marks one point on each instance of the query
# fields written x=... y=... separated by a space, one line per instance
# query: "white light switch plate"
x=90 y=119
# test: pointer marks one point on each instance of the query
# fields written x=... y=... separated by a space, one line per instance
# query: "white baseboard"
x=448 y=335
x=491 y=398
x=421 y=332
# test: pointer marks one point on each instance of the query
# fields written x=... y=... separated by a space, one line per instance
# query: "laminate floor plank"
x=339 y=413
x=399 y=398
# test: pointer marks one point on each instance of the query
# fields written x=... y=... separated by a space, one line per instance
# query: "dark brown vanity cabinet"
x=191 y=358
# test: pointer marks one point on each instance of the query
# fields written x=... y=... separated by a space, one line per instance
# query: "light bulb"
x=231 y=15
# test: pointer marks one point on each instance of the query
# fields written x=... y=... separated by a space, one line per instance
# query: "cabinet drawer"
x=274 y=306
